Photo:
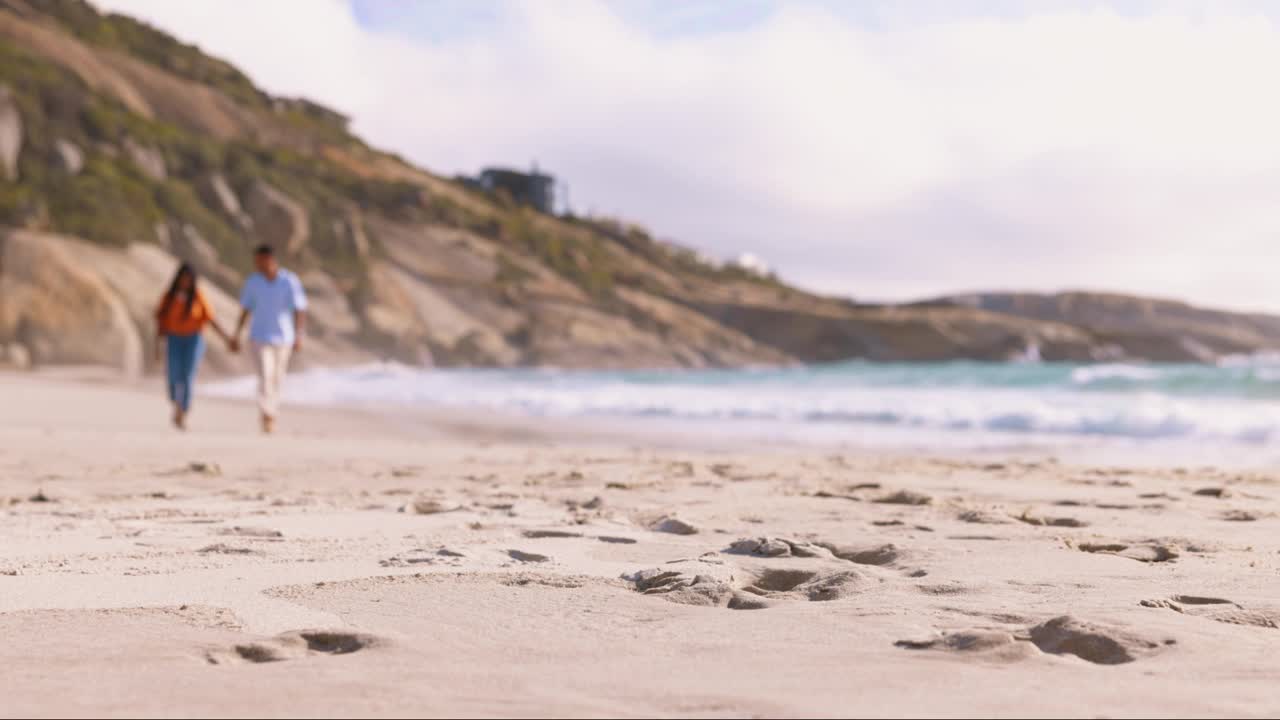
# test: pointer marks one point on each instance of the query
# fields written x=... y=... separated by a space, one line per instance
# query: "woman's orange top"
x=174 y=320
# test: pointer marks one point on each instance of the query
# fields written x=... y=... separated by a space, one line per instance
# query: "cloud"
x=1132 y=148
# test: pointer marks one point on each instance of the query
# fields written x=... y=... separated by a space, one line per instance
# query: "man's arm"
x=299 y=325
x=299 y=300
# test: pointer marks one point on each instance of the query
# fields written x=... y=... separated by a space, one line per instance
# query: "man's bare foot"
x=179 y=418
x=268 y=424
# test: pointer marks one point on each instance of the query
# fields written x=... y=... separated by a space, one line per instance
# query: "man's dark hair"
x=264 y=250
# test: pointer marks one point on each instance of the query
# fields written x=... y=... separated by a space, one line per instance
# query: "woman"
x=180 y=322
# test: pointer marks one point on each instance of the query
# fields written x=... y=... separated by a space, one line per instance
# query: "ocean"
x=1229 y=412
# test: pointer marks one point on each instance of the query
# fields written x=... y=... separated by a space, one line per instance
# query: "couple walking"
x=272 y=302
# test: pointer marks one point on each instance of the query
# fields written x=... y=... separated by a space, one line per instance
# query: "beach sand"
x=403 y=565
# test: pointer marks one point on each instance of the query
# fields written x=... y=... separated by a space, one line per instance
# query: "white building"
x=752 y=264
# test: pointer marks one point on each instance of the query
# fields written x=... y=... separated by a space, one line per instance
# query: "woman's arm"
x=226 y=337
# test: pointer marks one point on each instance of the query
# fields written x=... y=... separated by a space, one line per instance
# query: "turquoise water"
x=1233 y=404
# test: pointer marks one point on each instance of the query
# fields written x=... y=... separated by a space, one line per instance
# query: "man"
x=274 y=298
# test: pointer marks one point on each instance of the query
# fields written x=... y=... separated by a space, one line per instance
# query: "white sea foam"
x=965 y=403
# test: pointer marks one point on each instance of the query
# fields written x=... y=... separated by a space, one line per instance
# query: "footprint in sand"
x=224 y=549
x=979 y=516
x=1065 y=635
x=595 y=503
x=537 y=534
x=527 y=557
x=430 y=506
x=1218 y=609
x=710 y=582
x=880 y=555
x=904 y=497
x=252 y=532
x=293 y=646
x=672 y=525
x=194 y=467
x=1221 y=493
x=702 y=581
x=567 y=534
x=1097 y=644
x=1044 y=521
x=776 y=547
x=1148 y=552
x=442 y=556
x=781 y=584
x=737 y=473
x=991 y=645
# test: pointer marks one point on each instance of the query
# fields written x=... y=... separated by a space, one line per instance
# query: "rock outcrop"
x=351 y=235
x=67 y=156
x=218 y=194
x=331 y=313
x=60 y=309
x=278 y=219
x=1138 y=327
x=148 y=160
x=189 y=245
x=10 y=134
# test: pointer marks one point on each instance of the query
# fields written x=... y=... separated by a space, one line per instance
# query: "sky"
x=879 y=149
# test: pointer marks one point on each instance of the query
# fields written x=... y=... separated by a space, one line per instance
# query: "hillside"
x=123 y=150
x=1163 y=330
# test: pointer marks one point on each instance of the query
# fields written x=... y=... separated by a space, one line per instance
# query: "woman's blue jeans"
x=184 y=353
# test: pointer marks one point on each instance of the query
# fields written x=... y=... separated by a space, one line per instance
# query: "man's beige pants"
x=273 y=363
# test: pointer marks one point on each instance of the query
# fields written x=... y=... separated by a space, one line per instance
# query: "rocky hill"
x=1148 y=328
x=123 y=150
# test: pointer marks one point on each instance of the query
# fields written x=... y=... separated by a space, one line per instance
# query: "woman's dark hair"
x=184 y=269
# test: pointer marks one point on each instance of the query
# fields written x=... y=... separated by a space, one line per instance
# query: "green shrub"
x=584 y=263
x=146 y=43
x=107 y=202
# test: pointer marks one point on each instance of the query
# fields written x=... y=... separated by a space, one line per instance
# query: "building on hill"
x=749 y=262
x=535 y=189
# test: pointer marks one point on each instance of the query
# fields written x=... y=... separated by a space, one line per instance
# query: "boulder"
x=60 y=308
x=455 y=336
x=330 y=312
x=10 y=134
x=190 y=246
x=164 y=238
x=15 y=356
x=67 y=156
x=350 y=232
x=277 y=218
x=147 y=159
x=391 y=324
x=216 y=193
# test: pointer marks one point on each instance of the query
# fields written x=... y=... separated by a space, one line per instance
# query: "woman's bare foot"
x=268 y=424
x=179 y=418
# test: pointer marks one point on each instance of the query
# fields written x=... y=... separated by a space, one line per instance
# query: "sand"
x=393 y=565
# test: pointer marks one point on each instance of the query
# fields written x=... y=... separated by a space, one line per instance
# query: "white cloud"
x=1136 y=152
